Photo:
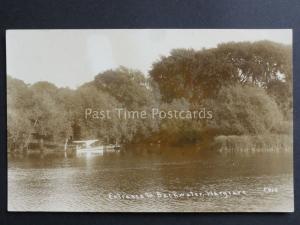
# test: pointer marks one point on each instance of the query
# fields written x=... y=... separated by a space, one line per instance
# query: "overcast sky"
x=72 y=57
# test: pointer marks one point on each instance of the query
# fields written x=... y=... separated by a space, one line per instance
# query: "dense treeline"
x=247 y=86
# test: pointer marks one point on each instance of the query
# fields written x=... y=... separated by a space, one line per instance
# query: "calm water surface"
x=114 y=181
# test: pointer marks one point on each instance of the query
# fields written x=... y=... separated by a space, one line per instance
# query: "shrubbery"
x=257 y=143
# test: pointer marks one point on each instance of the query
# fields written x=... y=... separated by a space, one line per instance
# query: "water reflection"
x=71 y=182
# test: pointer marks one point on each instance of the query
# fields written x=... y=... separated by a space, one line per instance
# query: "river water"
x=151 y=180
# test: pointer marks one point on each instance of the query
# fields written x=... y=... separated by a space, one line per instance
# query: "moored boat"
x=90 y=146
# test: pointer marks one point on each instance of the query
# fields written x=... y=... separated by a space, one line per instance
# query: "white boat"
x=88 y=146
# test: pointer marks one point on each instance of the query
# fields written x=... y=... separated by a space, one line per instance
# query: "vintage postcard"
x=146 y=120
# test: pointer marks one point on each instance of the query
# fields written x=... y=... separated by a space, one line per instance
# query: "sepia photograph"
x=150 y=120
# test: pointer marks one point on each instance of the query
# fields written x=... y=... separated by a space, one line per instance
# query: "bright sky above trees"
x=72 y=57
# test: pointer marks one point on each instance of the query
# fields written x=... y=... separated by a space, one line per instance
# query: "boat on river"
x=91 y=146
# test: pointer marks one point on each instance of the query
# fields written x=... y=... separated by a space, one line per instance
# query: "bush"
x=243 y=110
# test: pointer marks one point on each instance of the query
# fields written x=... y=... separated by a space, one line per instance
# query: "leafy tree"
x=19 y=102
x=260 y=62
x=129 y=87
x=196 y=75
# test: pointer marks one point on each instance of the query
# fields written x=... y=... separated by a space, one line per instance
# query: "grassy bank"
x=257 y=143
